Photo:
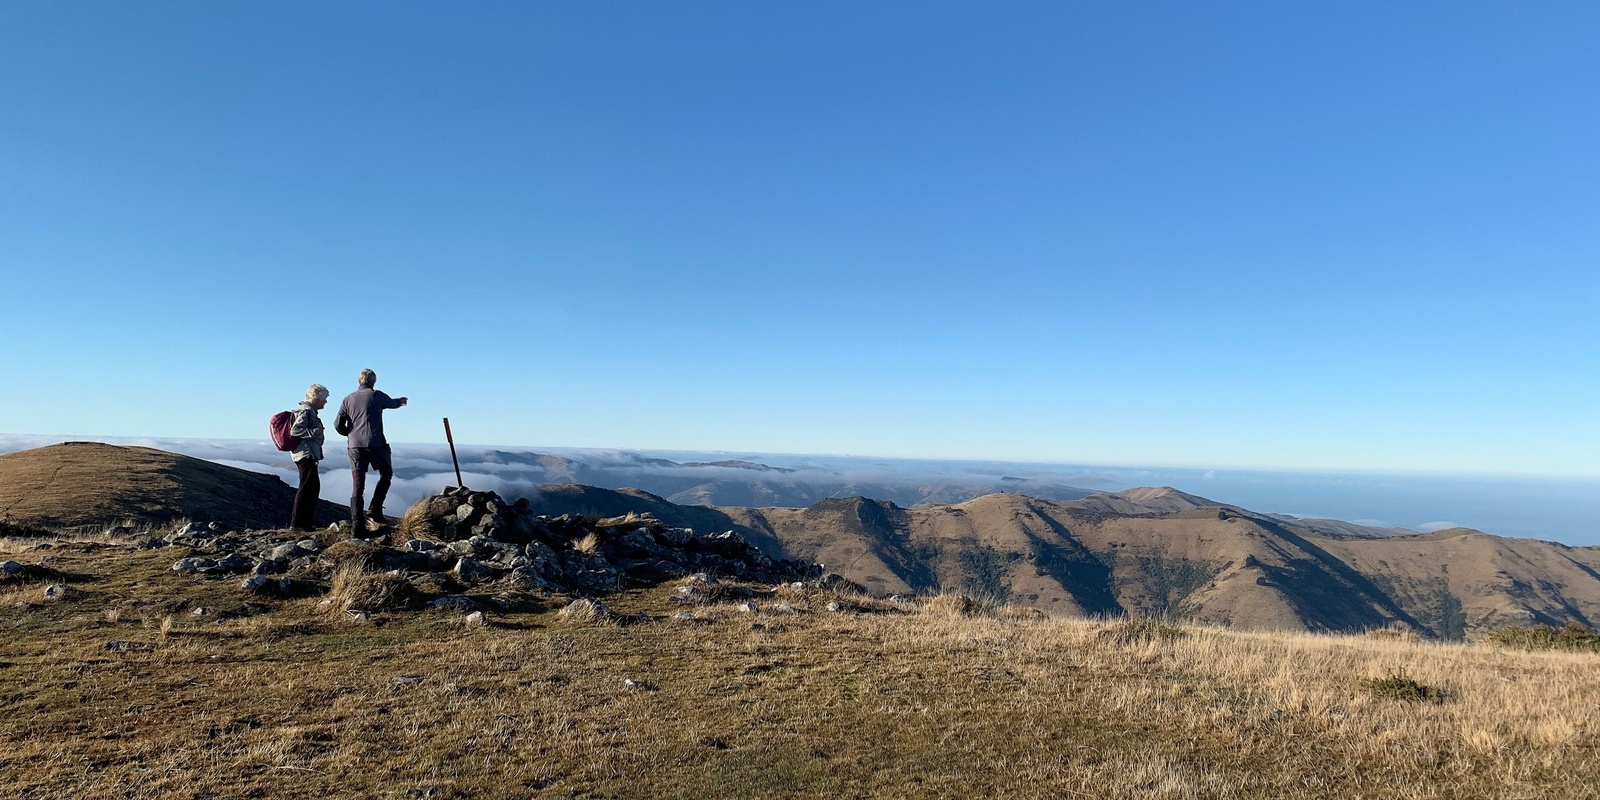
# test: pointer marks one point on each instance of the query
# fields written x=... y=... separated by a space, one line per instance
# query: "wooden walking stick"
x=453 y=460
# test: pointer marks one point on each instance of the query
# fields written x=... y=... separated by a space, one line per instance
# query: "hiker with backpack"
x=361 y=420
x=306 y=427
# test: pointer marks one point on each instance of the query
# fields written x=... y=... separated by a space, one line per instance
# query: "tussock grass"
x=1398 y=685
x=419 y=521
x=589 y=543
x=1544 y=637
x=357 y=587
x=284 y=702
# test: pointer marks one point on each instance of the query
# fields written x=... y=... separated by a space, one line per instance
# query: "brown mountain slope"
x=1112 y=554
x=85 y=483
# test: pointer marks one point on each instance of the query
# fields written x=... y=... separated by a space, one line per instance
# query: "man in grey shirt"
x=361 y=420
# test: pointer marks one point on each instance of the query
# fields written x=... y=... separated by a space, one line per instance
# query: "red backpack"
x=280 y=426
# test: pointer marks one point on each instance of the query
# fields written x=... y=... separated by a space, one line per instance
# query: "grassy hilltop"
x=933 y=697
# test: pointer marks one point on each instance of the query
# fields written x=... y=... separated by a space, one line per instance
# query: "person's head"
x=367 y=379
x=317 y=395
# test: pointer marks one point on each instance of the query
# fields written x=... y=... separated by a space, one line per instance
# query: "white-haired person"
x=308 y=428
x=361 y=419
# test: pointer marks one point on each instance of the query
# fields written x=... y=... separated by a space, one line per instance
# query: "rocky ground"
x=464 y=549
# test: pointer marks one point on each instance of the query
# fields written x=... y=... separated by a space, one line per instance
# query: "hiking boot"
x=358 y=520
x=376 y=515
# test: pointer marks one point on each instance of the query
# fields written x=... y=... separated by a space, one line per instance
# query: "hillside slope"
x=86 y=483
x=1159 y=552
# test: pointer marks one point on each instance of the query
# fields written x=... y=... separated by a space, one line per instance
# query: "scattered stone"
x=11 y=569
x=782 y=608
x=683 y=616
x=464 y=542
x=746 y=607
x=454 y=603
x=476 y=619
x=120 y=645
x=200 y=611
x=400 y=681
x=268 y=585
x=359 y=616
x=835 y=606
x=55 y=591
x=585 y=610
x=469 y=570
x=629 y=683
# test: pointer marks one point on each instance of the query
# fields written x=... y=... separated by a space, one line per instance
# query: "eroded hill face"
x=1154 y=552
x=86 y=483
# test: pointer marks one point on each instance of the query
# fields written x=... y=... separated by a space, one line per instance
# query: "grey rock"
x=529 y=578
x=782 y=608
x=835 y=606
x=585 y=609
x=265 y=584
x=454 y=603
x=400 y=681
x=234 y=562
x=266 y=568
x=468 y=570
x=193 y=564
x=747 y=607
x=11 y=569
x=476 y=619
x=465 y=512
x=420 y=546
x=122 y=645
x=200 y=611
x=285 y=552
x=55 y=591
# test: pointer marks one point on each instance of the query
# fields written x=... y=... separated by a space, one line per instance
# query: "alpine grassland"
x=139 y=682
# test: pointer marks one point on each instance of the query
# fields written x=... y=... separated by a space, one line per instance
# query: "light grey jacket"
x=308 y=426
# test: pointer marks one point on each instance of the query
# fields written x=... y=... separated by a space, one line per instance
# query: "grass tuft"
x=356 y=587
x=1397 y=685
x=1572 y=636
x=1133 y=630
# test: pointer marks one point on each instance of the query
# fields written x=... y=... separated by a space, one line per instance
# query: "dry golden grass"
x=910 y=700
x=356 y=587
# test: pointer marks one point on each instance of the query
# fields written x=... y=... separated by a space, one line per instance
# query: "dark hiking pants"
x=361 y=460
x=305 y=500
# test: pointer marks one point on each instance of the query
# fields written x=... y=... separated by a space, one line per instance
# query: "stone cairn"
x=465 y=542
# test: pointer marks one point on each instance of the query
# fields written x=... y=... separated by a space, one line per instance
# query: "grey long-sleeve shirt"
x=363 y=411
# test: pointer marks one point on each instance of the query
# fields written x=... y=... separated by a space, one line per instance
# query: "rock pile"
x=463 y=542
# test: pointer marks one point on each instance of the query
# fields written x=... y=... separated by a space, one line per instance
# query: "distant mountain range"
x=1158 y=551
x=1146 y=551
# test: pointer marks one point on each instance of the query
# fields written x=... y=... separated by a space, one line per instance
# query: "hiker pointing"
x=361 y=420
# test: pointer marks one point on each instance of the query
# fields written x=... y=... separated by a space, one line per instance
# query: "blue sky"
x=1293 y=235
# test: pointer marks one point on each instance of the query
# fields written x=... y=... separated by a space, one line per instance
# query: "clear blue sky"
x=1300 y=235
